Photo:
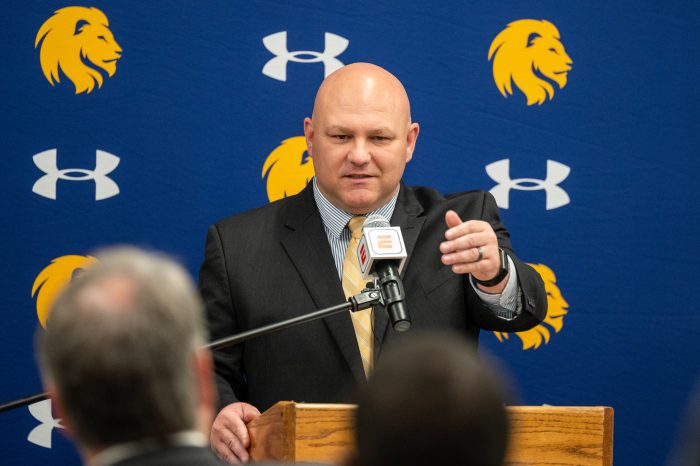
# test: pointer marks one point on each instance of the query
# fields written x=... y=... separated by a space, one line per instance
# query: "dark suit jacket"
x=274 y=263
x=174 y=456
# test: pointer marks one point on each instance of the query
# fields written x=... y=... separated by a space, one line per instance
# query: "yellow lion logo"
x=526 y=51
x=77 y=41
x=51 y=281
x=288 y=169
x=557 y=309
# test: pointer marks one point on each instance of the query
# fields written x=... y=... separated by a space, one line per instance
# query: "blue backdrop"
x=598 y=177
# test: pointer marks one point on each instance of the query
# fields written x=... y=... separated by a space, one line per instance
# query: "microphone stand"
x=366 y=299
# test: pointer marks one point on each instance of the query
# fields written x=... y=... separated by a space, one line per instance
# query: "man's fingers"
x=466 y=242
x=223 y=453
x=474 y=268
x=229 y=449
x=227 y=446
x=237 y=427
x=465 y=228
x=468 y=256
x=234 y=444
x=229 y=433
x=249 y=412
x=452 y=219
x=470 y=246
x=482 y=266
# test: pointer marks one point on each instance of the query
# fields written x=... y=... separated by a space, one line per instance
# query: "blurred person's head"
x=686 y=451
x=431 y=401
x=121 y=354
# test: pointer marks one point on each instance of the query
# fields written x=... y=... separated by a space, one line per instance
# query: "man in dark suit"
x=121 y=357
x=287 y=258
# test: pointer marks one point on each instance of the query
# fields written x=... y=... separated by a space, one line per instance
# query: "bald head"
x=363 y=82
x=360 y=137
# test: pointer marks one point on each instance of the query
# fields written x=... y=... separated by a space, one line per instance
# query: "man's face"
x=360 y=144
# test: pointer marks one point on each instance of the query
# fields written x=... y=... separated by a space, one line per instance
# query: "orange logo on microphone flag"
x=385 y=242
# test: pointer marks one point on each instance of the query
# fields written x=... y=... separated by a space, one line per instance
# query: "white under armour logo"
x=41 y=434
x=276 y=43
x=556 y=173
x=105 y=163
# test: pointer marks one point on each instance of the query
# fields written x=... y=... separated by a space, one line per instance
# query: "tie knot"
x=355 y=226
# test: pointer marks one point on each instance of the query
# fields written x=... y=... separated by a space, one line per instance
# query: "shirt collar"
x=122 y=451
x=335 y=219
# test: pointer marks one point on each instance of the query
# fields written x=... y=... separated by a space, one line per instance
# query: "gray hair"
x=119 y=348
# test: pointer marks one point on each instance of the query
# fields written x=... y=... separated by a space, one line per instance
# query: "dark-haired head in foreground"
x=431 y=402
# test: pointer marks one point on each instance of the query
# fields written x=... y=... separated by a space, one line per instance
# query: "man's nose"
x=359 y=153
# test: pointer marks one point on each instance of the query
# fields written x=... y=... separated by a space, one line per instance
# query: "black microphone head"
x=402 y=325
x=376 y=221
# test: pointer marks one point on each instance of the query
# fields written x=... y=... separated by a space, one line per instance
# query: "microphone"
x=382 y=253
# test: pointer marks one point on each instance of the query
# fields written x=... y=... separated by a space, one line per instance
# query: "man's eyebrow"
x=342 y=129
x=382 y=130
x=337 y=129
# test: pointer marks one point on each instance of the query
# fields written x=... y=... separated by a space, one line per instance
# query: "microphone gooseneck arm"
x=368 y=298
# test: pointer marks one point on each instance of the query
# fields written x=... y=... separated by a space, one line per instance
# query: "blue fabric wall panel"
x=192 y=119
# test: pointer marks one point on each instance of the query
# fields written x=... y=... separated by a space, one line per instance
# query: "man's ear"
x=309 y=135
x=207 y=397
x=411 y=139
x=57 y=408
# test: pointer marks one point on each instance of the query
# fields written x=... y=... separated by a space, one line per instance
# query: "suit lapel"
x=407 y=216
x=307 y=246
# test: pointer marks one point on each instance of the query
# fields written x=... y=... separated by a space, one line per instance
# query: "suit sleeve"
x=530 y=284
x=215 y=289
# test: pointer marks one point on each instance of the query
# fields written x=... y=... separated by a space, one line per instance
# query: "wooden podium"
x=540 y=435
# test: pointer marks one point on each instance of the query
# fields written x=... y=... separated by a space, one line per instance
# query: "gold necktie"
x=354 y=284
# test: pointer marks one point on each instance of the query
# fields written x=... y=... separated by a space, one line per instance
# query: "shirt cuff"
x=506 y=304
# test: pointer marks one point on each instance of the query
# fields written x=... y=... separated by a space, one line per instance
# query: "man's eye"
x=340 y=137
x=381 y=138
